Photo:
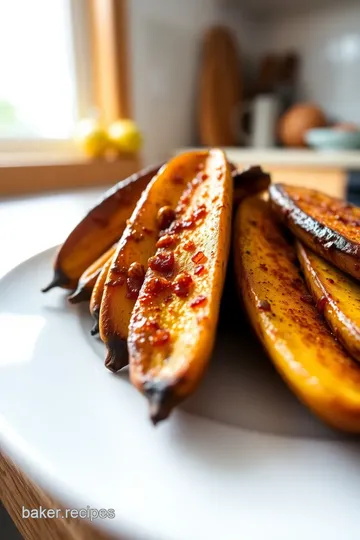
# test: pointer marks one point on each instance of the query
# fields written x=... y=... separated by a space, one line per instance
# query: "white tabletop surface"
x=31 y=224
x=213 y=463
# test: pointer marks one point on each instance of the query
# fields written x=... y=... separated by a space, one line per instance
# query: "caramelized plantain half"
x=173 y=324
x=89 y=277
x=97 y=294
x=337 y=296
x=153 y=213
x=329 y=226
x=294 y=334
x=99 y=230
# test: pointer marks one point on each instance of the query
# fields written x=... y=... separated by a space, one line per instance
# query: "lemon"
x=91 y=137
x=125 y=136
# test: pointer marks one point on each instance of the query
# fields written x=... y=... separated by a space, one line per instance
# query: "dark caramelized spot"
x=307 y=299
x=147 y=231
x=136 y=271
x=100 y=220
x=321 y=303
x=178 y=179
x=182 y=285
x=156 y=285
x=160 y=337
x=165 y=217
x=198 y=301
x=136 y=236
x=181 y=225
x=189 y=246
x=151 y=325
x=135 y=279
x=297 y=283
x=199 y=258
x=263 y=267
x=204 y=176
x=119 y=270
x=200 y=212
x=116 y=282
x=264 y=305
x=166 y=241
x=330 y=280
x=162 y=262
x=199 y=270
x=191 y=221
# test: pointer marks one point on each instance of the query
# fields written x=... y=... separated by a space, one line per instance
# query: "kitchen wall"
x=328 y=40
x=165 y=39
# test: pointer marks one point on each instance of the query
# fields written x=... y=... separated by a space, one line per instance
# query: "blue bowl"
x=332 y=139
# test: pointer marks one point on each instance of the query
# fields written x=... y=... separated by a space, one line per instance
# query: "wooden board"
x=220 y=89
x=17 y=490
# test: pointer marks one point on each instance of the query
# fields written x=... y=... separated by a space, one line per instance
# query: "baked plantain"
x=99 y=229
x=337 y=296
x=249 y=181
x=173 y=324
x=329 y=226
x=97 y=294
x=294 y=334
x=153 y=213
x=88 y=278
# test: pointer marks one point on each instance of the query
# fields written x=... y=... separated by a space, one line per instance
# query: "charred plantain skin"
x=89 y=277
x=337 y=296
x=302 y=348
x=173 y=324
x=249 y=181
x=97 y=294
x=328 y=226
x=99 y=230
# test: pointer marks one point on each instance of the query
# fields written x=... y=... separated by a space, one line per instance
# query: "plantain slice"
x=311 y=361
x=249 y=181
x=337 y=296
x=173 y=324
x=97 y=294
x=153 y=213
x=329 y=226
x=99 y=230
x=89 y=277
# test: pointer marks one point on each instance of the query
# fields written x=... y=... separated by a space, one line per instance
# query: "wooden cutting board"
x=220 y=89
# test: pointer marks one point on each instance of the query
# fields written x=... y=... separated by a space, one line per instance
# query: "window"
x=60 y=60
x=45 y=79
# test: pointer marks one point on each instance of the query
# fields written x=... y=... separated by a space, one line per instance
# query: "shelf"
x=266 y=8
x=349 y=160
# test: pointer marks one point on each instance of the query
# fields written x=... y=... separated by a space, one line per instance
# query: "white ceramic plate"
x=242 y=459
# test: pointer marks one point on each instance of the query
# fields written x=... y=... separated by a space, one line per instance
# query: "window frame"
x=99 y=30
x=80 y=35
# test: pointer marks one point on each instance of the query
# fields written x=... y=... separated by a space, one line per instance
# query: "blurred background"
x=188 y=72
x=130 y=82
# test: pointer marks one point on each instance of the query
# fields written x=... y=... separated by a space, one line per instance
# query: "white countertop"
x=349 y=159
x=34 y=223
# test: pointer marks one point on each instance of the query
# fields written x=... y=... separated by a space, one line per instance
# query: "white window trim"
x=80 y=40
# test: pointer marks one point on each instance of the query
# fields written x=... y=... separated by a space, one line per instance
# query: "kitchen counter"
x=349 y=160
